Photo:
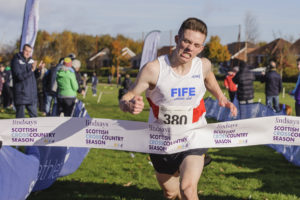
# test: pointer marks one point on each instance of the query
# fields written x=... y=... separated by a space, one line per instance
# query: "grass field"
x=255 y=172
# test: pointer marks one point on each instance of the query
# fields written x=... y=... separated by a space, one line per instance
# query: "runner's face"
x=298 y=65
x=189 y=45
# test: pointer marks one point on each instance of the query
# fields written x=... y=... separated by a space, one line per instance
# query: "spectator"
x=7 y=91
x=244 y=79
x=84 y=81
x=50 y=88
x=109 y=79
x=1 y=82
x=230 y=85
x=76 y=64
x=296 y=91
x=119 y=81
x=67 y=88
x=126 y=85
x=40 y=88
x=24 y=82
x=94 y=84
x=273 y=87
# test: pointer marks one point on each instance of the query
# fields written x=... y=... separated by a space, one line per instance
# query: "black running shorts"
x=170 y=163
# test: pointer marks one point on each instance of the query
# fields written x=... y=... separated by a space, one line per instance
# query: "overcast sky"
x=134 y=17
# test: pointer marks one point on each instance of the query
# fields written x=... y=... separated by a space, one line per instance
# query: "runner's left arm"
x=213 y=87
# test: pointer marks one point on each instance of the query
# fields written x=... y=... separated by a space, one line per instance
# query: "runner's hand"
x=136 y=105
x=225 y=103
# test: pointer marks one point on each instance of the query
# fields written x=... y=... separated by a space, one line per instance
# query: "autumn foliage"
x=51 y=47
x=215 y=51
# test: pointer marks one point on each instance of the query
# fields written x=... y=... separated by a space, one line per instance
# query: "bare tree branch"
x=251 y=28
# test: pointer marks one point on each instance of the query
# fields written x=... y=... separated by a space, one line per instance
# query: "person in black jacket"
x=7 y=91
x=1 y=80
x=273 y=87
x=24 y=82
x=244 y=79
x=126 y=85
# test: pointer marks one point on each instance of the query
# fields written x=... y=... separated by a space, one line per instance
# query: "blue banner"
x=30 y=23
x=39 y=167
x=18 y=173
x=150 y=48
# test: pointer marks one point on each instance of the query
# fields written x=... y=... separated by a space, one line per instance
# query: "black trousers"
x=297 y=107
x=7 y=94
x=231 y=95
x=65 y=105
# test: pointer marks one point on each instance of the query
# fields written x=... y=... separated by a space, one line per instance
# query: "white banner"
x=150 y=47
x=148 y=138
x=30 y=23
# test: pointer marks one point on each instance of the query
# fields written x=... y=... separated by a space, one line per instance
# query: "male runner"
x=178 y=80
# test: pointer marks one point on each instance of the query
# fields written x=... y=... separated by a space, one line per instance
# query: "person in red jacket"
x=230 y=85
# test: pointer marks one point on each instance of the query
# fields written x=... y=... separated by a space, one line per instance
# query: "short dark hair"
x=273 y=61
x=27 y=45
x=298 y=59
x=193 y=24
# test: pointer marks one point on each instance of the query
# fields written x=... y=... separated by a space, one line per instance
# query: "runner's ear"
x=176 y=39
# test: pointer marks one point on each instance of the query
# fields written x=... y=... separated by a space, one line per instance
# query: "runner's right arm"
x=133 y=101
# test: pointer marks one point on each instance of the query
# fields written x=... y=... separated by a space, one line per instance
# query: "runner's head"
x=193 y=24
x=190 y=39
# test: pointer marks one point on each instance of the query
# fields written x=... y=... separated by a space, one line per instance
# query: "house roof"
x=273 y=47
x=235 y=47
x=295 y=47
x=241 y=55
x=128 y=52
x=102 y=52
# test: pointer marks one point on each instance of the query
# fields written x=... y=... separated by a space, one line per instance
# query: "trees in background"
x=215 y=51
x=51 y=47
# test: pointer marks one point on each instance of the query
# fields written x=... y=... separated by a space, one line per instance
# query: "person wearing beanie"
x=67 y=88
x=67 y=62
x=76 y=64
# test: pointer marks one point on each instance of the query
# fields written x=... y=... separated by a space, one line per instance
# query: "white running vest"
x=178 y=99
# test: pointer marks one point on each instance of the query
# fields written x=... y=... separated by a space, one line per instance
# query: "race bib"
x=176 y=115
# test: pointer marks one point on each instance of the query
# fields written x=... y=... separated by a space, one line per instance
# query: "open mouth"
x=186 y=55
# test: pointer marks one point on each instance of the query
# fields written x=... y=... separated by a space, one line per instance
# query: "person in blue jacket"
x=23 y=69
x=273 y=86
x=296 y=91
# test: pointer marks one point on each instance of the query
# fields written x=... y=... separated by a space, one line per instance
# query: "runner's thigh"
x=191 y=169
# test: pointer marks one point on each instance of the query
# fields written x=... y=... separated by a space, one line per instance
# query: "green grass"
x=255 y=172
